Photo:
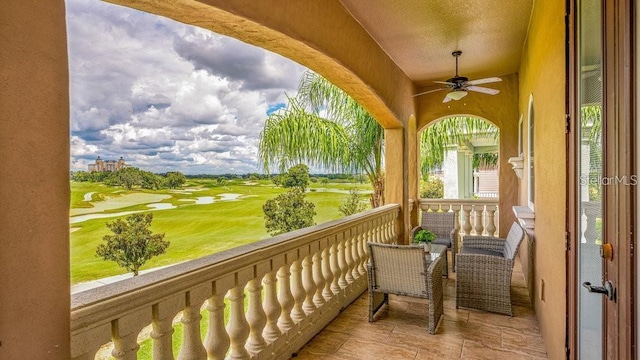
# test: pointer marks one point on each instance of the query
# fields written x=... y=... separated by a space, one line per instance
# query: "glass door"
x=589 y=155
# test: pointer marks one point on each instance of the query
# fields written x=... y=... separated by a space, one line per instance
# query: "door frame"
x=619 y=162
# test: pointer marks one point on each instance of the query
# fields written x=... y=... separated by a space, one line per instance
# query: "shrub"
x=352 y=204
x=288 y=212
x=432 y=188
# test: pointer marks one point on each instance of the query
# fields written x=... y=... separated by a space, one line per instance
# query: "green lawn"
x=194 y=230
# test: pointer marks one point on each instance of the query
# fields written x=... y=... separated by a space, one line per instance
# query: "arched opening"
x=460 y=155
x=222 y=98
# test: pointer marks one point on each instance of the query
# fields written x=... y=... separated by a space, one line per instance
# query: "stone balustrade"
x=279 y=293
x=473 y=216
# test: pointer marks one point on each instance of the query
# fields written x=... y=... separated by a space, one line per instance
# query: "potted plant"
x=424 y=237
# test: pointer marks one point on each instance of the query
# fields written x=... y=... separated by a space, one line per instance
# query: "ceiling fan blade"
x=483 y=90
x=484 y=81
x=445 y=82
x=427 y=92
x=446 y=99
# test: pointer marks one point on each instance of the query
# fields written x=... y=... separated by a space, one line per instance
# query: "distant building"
x=108 y=165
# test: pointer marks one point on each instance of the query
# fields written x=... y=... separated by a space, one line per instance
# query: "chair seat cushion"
x=476 y=251
x=442 y=241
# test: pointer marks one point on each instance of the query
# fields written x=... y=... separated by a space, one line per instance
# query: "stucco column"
x=414 y=169
x=34 y=181
x=450 y=169
x=465 y=179
x=396 y=177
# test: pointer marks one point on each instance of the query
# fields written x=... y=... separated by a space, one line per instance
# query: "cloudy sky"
x=167 y=96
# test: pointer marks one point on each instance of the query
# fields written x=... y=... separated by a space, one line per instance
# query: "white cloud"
x=167 y=96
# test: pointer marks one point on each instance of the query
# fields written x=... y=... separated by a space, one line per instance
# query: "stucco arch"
x=502 y=111
x=322 y=36
x=435 y=121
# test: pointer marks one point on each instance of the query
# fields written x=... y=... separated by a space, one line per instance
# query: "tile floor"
x=399 y=331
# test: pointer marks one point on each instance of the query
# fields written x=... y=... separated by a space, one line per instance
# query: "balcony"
x=268 y=299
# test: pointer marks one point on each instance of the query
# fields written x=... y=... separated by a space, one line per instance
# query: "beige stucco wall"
x=502 y=111
x=542 y=74
x=34 y=181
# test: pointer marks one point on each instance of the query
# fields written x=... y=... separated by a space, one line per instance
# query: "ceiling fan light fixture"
x=457 y=94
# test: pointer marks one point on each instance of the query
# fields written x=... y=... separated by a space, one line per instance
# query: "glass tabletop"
x=436 y=251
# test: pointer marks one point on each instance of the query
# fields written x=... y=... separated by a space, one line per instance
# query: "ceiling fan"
x=460 y=85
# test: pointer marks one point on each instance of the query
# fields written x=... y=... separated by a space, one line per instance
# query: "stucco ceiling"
x=420 y=35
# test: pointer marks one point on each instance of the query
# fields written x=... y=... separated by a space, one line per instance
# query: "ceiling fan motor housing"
x=458 y=81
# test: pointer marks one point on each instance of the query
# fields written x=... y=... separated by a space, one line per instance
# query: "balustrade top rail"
x=486 y=201
x=110 y=300
x=319 y=269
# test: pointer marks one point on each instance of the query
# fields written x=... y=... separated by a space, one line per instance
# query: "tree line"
x=133 y=177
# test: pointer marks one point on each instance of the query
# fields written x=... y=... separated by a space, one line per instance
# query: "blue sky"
x=167 y=96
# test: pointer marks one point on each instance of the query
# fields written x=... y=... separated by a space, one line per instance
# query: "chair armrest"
x=484 y=242
x=414 y=231
x=454 y=240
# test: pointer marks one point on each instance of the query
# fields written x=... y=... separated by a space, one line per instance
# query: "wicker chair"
x=443 y=224
x=485 y=265
x=404 y=270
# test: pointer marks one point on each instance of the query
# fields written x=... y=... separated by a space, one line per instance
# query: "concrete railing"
x=296 y=284
x=473 y=216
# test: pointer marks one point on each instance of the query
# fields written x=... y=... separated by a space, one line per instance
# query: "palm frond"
x=294 y=136
x=450 y=131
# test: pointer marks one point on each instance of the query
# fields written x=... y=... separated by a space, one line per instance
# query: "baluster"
x=256 y=317
x=335 y=267
x=456 y=210
x=308 y=283
x=125 y=346
x=384 y=233
x=394 y=229
x=342 y=262
x=362 y=252
x=466 y=218
x=385 y=230
x=389 y=234
x=592 y=211
x=348 y=257
x=318 y=277
x=479 y=209
x=162 y=324
x=238 y=328
x=353 y=249
x=327 y=293
x=285 y=298
x=192 y=347
x=124 y=333
x=297 y=290
x=376 y=231
x=217 y=340
x=490 y=220
x=271 y=307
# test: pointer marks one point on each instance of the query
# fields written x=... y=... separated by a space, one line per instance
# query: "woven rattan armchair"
x=405 y=270
x=485 y=265
x=443 y=224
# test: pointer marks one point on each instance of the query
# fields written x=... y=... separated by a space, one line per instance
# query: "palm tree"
x=325 y=127
x=453 y=130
